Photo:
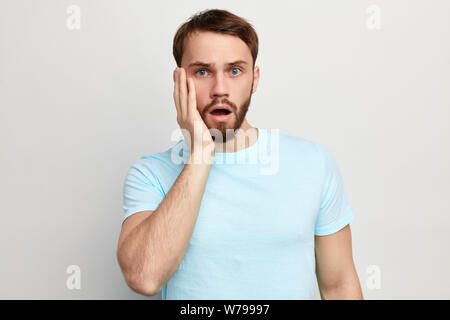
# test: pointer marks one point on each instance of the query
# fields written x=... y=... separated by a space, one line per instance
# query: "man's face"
x=206 y=60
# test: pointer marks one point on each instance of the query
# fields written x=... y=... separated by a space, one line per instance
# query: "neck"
x=245 y=137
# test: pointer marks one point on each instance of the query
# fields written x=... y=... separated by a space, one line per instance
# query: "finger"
x=183 y=91
x=176 y=95
x=192 y=100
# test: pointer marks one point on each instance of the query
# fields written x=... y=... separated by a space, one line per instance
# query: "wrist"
x=201 y=157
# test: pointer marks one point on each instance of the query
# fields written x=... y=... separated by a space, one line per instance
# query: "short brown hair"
x=216 y=20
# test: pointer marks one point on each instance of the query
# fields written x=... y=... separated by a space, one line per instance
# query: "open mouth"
x=220 y=112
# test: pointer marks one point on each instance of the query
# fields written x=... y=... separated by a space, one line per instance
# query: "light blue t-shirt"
x=262 y=207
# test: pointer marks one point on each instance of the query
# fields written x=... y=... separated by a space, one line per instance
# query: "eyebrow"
x=207 y=65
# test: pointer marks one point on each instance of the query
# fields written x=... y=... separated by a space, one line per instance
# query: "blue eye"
x=236 y=69
x=200 y=70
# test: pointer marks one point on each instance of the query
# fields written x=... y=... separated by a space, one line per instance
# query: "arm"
x=152 y=251
x=336 y=274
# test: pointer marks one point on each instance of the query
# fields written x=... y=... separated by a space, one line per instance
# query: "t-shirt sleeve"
x=142 y=190
x=335 y=210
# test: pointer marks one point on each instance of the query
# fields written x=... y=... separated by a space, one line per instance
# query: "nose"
x=220 y=87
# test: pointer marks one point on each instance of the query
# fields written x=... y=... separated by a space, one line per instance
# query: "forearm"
x=157 y=245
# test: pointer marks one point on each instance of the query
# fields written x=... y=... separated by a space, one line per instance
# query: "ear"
x=255 y=79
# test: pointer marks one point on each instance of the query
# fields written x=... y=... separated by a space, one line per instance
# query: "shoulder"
x=300 y=146
x=159 y=163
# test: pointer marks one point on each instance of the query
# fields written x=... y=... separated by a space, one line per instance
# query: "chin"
x=223 y=131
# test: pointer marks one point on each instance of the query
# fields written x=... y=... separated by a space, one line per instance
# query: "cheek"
x=201 y=88
x=201 y=95
x=242 y=93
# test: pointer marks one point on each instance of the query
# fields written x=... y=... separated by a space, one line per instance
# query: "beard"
x=229 y=128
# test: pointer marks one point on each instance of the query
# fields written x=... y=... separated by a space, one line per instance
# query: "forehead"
x=217 y=48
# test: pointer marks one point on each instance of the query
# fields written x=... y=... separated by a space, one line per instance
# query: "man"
x=216 y=226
